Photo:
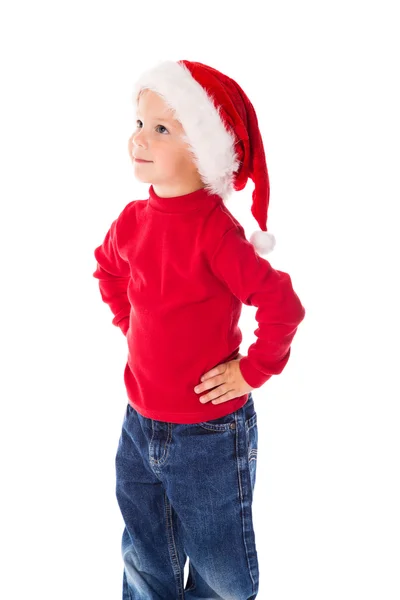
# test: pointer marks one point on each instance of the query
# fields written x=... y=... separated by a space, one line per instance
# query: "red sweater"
x=175 y=273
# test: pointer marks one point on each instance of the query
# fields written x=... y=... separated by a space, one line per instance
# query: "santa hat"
x=221 y=130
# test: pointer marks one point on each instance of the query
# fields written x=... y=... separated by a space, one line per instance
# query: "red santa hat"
x=221 y=130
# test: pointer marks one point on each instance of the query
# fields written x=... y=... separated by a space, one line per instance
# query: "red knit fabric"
x=175 y=273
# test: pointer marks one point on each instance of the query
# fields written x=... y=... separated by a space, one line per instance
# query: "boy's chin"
x=143 y=179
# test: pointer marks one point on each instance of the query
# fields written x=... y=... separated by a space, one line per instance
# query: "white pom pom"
x=263 y=241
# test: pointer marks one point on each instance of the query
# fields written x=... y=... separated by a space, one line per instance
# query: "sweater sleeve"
x=113 y=273
x=255 y=282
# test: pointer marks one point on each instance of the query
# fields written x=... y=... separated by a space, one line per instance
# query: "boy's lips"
x=140 y=160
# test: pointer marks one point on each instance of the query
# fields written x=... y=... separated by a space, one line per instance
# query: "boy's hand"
x=229 y=379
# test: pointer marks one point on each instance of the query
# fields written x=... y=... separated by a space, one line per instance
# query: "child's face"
x=158 y=139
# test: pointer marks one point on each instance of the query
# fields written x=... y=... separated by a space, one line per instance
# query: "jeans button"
x=233 y=425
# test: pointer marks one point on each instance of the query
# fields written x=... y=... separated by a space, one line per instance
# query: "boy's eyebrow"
x=159 y=118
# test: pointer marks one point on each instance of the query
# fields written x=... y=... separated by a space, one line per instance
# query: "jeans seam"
x=177 y=570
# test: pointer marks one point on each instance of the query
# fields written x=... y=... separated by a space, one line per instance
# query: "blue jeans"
x=186 y=491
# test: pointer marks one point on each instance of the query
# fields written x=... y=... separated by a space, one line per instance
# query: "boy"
x=175 y=269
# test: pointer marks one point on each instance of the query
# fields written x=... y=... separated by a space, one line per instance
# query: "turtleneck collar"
x=180 y=204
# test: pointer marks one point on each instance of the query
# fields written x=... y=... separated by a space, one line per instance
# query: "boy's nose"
x=139 y=139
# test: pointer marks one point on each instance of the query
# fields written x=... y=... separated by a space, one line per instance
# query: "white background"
x=323 y=78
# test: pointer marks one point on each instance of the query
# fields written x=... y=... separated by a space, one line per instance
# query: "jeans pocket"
x=228 y=421
x=220 y=424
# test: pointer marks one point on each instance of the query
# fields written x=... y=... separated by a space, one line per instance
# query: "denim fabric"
x=186 y=491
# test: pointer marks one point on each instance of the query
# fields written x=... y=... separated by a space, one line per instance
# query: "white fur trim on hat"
x=204 y=127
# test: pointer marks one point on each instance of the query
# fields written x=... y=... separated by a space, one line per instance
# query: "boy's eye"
x=162 y=126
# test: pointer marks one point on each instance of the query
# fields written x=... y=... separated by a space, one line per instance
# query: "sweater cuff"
x=252 y=376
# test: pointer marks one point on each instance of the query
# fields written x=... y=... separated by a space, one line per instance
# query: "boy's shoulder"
x=226 y=218
x=131 y=209
x=130 y=213
x=126 y=221
x=220 y=221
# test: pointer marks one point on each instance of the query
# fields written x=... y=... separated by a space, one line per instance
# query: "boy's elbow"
x=302 y=312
